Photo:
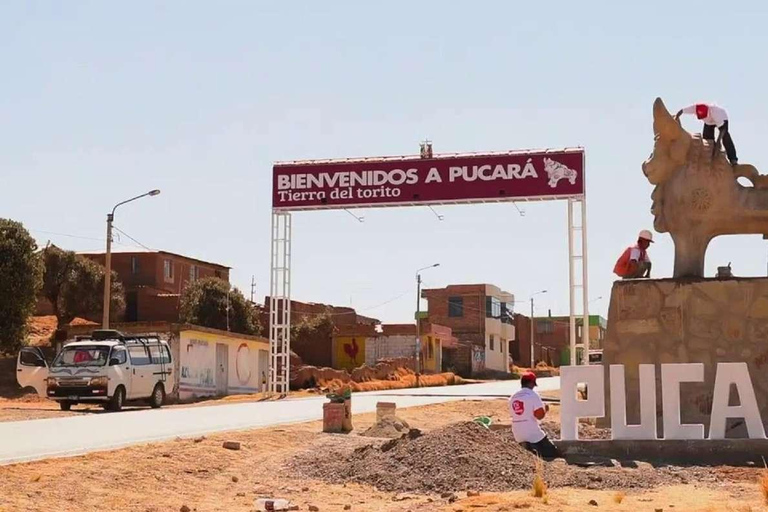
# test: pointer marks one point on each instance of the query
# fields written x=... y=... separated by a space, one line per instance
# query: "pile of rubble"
x=464 y=456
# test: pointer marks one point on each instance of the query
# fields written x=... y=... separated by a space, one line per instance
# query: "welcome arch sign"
x=421 y=180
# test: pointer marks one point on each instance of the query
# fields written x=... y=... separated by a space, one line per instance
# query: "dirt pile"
x=388 y=428
x=386 y=374
x=460 y=457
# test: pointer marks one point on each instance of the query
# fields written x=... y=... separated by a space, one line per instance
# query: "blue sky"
x=101 y=101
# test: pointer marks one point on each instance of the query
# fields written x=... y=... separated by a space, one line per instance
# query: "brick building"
x=354 y=345
x=153 y=281
x=480 y=318
x=316 y=348
x=552 y=338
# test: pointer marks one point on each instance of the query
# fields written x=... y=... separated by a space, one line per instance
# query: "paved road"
x=23 y=441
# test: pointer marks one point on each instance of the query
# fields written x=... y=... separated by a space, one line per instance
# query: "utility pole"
x=418 y=320
x=253 y=287
x=533 y=358
x=108 y=258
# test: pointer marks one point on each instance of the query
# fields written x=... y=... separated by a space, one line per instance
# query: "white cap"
x=647 y=235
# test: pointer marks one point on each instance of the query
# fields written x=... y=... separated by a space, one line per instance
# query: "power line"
x=129 y=236
x=80 y=237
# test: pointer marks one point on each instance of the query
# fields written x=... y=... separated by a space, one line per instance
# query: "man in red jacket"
x=634 y=262
x=713 y=117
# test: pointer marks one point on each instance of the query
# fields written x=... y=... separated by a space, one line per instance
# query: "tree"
x=20 y=280
x=204 y=303
x=75 y=287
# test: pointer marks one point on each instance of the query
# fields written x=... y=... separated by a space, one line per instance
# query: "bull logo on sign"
x=557 y=171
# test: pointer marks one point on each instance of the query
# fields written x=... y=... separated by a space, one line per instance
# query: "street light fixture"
x=418 y=322
x=108 y=257
x=533 y=358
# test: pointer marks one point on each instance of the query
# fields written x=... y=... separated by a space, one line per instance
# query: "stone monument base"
x=689 y=321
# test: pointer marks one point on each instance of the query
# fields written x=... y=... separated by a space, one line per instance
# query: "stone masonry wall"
x=689 y=321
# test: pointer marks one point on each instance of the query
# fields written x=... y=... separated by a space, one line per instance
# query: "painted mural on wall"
x=350 y=352
x=196 y=368
x=478 y=358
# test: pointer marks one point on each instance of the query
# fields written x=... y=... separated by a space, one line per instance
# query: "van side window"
x=160 y=354
x=29 y=358
x=120 y=355
x=139 y=355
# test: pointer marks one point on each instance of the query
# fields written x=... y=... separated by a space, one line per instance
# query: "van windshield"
x=82 y=356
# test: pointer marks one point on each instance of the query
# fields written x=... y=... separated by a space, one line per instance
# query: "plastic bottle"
x=269 y=504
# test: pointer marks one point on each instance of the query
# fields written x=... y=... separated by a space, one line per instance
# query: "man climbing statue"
x=713 y=116
x=634 y=262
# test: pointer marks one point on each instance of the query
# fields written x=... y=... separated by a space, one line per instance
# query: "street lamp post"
x=533 y=359
x=418 y=314
x=108 y=257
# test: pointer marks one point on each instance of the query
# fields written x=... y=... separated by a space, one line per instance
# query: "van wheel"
x=65 y=405
x=116 y=403
x=158 y=397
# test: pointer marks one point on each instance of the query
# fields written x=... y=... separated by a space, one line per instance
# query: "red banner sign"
x=470 y=178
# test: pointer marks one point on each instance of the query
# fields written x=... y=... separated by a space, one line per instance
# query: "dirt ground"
x=203 y=476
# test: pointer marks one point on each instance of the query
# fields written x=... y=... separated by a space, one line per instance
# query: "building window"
x=194 y=273
x=134 y=264
x=168 y=270
x=492 y=307
x=455 y=306
x=491 y=342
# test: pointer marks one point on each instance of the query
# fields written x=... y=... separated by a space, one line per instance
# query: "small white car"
x=107 y=368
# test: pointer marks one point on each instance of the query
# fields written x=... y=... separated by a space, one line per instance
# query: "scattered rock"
x=199 y=439
x=659 y=510
x=453 y=499
x=403 y=496
x=240 y=495
x=304 y=489
x=235 y=479
x=313 y=508
x=472 y=494
x=185 y=508
x=166 y=455
x=37 y=478
x=231 y=445
x=593 y=503
x=347 y=507
x=446 y=495
x=293 y=507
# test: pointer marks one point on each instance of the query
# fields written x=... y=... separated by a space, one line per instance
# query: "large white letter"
x=647 y=427
x=672 y=374
x=572 y=409
x=738 y=374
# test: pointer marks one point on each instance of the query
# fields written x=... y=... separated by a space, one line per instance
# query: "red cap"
x=702 y=111
x=528 y=377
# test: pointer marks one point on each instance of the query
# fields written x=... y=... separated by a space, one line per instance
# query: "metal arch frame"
x=280 y=276
x=280 y=304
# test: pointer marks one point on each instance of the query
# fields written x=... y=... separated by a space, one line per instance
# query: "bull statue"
x=697 y=196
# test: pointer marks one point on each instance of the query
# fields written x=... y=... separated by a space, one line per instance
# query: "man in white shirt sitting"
x=526 y=410
x=713 y=116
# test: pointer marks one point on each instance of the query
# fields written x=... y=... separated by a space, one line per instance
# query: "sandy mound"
x=389 y=428
x=460 y=457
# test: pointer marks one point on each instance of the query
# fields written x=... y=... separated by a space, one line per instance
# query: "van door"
x=32 y=370
x=119 y=371
x=222 y=368
x=142 y=380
